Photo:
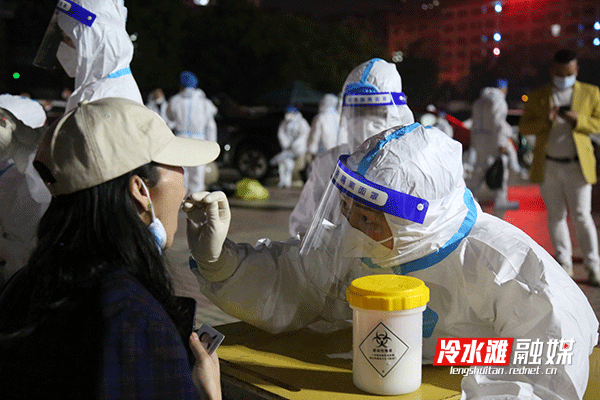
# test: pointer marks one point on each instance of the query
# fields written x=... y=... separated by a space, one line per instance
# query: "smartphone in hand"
x=210 y=338
x=563 y=109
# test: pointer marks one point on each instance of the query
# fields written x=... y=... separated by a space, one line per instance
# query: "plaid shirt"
x=112 y=342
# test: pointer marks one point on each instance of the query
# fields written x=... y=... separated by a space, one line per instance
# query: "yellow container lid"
x=387 y=293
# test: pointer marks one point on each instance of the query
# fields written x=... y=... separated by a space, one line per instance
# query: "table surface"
x=295 y=365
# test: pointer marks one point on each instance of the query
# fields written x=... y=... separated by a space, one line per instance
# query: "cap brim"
x=187 y=152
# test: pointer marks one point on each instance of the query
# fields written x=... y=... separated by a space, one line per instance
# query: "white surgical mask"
x=564 y=82
x=357 y=244
x=67 y=57
x=156 y=228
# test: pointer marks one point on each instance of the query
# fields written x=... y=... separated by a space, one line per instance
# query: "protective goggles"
x=46 y=54
x=378 y=197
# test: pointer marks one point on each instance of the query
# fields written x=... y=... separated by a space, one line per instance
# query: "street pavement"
x=253 y=220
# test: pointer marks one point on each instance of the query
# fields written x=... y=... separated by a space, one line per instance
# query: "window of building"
x=554 y=16
x=448 y=42
x=476 y=11
x=475 y=39
x=520 y=20
x=489 y=23
x=476 y=55
x=462 y=13
x=537 y=18
x=589 y=11
x=462 y=27
x=574 y=13
x=448 y=28
x=462 y=41
x=573 y=28
x=461 y=55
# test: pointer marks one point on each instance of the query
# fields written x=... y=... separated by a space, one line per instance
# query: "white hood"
x=103 y=51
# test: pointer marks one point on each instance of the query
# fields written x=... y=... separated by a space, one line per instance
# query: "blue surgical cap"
x=188 y=79
x=501 y=83
x=291 y=109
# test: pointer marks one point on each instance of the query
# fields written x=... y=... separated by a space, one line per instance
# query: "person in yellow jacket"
x=562 y=114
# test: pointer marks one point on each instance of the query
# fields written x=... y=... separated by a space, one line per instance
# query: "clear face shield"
x=351 y=234
x=367 y=111
x=46 y=54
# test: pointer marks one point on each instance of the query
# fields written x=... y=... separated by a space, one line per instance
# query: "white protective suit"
x=324 y=128
x=489 y=132
x=355 y=128
x=293 y=138
x=486 y=277
x=157 y=103
x=443 y=125
x=193 y=115
x=102 y=54
x=23 y=195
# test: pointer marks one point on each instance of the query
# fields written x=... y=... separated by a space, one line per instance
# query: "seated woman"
x=92 y=314
x=399 y=205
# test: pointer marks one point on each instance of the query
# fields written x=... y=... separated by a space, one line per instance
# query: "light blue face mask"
x=564 y=82
x=156 y=228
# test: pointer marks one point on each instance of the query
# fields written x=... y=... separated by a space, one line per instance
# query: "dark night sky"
x=323 y=8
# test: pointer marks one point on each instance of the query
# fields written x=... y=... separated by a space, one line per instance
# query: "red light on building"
x=496 y=51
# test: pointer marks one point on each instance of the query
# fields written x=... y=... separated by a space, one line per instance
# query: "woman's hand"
x=206 y=372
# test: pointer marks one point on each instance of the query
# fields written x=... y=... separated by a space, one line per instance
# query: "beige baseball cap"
x=103 y=139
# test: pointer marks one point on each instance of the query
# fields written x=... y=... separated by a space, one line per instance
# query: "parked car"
x=248 y=136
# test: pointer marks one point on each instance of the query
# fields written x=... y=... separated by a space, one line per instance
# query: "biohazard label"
x=383 y=349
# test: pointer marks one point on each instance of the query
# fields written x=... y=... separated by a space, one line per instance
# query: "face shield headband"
x=365 y=95
x=361 y=93
x=46 y=55
x=378 y=197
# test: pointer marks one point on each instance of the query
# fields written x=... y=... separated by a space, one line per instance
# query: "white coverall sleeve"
x=300 y=142
x=534 y=313
x=316 y=130
x=285 y=138
x=501 y=128
x=267 y=289
x=211 y=124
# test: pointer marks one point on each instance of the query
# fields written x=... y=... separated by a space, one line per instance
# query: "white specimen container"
x=387 y=332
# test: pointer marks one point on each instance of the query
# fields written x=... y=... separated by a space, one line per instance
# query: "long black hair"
x=91 y=232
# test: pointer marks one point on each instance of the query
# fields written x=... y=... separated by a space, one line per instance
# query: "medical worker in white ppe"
x=372 y=101
x=490 y=134
x=157 y=102
x=193 y=115
x=89 y=40
x=292 y=134
x=399 y=205
x=324 y=128
x=23 y=195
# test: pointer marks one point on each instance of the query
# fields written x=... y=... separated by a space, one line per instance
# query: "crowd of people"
x=85 y=291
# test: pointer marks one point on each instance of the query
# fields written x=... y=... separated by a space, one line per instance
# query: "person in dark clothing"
x=92 y=314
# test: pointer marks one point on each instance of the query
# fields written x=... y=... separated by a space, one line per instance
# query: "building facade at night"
x=460 y=34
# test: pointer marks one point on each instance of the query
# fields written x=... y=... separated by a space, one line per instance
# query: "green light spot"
x=16 y=75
